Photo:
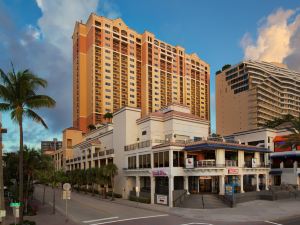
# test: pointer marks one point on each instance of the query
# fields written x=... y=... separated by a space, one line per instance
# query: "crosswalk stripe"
x=107 y=218
x=272 y=222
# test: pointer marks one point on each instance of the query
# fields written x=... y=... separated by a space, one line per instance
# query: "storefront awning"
x=289 y=154
x=221 y=145
x=276 y=172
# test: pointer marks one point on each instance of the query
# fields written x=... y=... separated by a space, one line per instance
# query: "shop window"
x=161 y=159
x=132 y=162
x=178 y=159
x=144 y=161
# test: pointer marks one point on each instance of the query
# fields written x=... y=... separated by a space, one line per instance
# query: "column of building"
x=241 y=163
x=220 y=160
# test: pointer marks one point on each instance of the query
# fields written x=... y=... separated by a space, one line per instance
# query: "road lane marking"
x=197 y=223
x=107 y=218
x=272 y=222
x=129 y=219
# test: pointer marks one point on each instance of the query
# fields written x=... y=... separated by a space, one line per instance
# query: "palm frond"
x=5 y=107
x=35 y=117
x=5 y=79
x=38 y=101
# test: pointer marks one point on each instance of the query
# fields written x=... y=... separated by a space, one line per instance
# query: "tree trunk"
x=112 y=187
x=27 y=195
x=44 y=191
x=53 y=206
x=21 y=175
x=2 y=203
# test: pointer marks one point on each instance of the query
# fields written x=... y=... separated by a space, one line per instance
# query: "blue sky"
x=36 y=34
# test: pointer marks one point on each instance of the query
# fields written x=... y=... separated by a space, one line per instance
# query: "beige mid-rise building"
x=114 y=66
x=251 y=93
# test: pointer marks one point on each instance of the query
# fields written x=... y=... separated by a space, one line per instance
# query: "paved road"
x=88 y=210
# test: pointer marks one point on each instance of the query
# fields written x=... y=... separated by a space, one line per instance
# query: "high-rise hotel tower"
x=114 y=66
x=251 y=93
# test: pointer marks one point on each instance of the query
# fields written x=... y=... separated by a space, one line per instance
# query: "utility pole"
x=2 y=202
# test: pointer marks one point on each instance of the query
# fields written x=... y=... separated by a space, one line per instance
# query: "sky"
x=36 y=34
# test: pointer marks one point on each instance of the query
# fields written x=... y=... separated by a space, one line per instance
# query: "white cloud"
x=58 y=19
x=275 y=35
x=46 y=48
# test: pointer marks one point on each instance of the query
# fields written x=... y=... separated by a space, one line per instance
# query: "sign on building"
x=162 y=199
x=159 y=173
x=254 y=162
x=233 y=171
x=189 y=163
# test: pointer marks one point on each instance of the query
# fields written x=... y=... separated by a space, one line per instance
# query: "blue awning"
x=275 y=172
x=285 y=155
x=214 y=146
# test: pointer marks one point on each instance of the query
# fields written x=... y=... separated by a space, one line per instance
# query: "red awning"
x=279 y=138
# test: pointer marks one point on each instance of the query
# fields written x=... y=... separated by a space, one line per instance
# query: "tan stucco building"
x=251 y=93
x=114 y=66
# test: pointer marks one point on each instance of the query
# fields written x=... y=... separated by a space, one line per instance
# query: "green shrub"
x=25 y=222
x=116 y=195
x=140 y=199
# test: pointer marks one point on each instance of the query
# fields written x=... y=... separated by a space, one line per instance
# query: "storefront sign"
x=189 y=163
x=233 y=171
x=205 y=177
x=159 y=173
x=254 y=162
x=162 y=199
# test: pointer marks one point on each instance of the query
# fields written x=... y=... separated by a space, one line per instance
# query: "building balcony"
x=231 y=163
x=206 y=163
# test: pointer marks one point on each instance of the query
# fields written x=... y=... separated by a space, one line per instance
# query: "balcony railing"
x=206 y=163
x=248 y=164
x=231 y=163
x=143 y=144
x=109 y=151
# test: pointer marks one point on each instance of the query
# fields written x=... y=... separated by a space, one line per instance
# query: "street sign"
x=66 y=195
x=2 y=213
x=15 y=204
x=67 y=186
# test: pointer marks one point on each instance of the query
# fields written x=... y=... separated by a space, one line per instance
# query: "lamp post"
x=2 y=202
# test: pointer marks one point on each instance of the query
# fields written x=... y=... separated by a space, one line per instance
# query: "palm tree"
x=108 y=116
x=18 y=93
x=111 y=170
x=279 y=120
x=101 y=179
x=43 y=175
x=56 y=178
x=293 y=125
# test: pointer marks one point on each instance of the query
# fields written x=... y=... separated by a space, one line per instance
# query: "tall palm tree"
x=293 y=139
x=111 y=170
x=18 y=93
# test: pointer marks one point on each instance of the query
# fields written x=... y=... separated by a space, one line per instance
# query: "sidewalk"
x=44 y=217
x=258 y=210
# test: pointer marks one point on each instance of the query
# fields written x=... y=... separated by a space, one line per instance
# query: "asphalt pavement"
x=91 y=210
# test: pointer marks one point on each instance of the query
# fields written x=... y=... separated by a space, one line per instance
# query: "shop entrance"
x=205 y=184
